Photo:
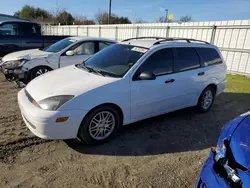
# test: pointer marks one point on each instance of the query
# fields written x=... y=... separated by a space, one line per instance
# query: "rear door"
x=190 y=76
x=30 y=36
x=82 y=51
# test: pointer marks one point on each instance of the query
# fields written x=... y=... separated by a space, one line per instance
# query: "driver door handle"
x=169 y=81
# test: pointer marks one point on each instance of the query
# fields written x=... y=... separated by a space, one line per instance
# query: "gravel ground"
x=165 y=151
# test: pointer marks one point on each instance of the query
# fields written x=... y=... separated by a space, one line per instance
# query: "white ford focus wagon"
x=133 y=80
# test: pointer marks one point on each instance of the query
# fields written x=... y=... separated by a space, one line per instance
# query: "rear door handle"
x=169 y=81
x=201 y=73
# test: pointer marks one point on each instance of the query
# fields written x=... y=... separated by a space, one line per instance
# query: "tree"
x=161 y=19
x=83 y=20
x=139 y=20
x=102 y=18
x=64 y=18
x=186 y=19
x=34 y=14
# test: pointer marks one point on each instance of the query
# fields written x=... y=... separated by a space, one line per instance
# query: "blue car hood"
x=240 y=143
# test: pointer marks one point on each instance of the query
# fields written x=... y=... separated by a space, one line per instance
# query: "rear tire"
x=100 y=125
x=206 y=99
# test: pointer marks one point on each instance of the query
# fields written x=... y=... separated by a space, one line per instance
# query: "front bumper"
x=15 y=74
x=7 y=72
x=209 y=177
x=43 y=124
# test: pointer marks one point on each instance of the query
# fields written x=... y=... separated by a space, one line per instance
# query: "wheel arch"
x=29 y=73
x=213 y=85
x=113 y=105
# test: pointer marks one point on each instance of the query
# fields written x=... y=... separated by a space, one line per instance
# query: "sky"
x=149 y=10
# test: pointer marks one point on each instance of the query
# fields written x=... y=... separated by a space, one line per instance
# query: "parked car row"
x=103 y=85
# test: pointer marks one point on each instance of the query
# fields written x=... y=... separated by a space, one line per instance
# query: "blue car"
x=229 y=164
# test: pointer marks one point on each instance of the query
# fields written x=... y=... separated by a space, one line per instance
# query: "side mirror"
x=147 y=76
x=70 y=53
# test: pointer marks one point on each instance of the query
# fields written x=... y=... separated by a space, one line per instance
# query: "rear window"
x=209 y=56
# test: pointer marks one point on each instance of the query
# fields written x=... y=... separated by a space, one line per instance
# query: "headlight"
x=16 y=63
x=53 y=103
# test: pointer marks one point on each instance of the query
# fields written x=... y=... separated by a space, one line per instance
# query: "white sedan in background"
x=28 y=64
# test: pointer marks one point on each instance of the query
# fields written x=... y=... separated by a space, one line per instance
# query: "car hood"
x=26 y=54
x=66 y=81
x=240 y=143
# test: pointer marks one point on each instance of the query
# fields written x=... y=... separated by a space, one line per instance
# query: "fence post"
x=87 y=31
x=213 y=34
x=69 y=31
x=77 y=30
x=137 y=31
x=62 y=30
x=167 y=31
x=100 y=32
x=116 y=33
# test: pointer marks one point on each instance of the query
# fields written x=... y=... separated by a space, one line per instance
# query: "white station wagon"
x=124 y=83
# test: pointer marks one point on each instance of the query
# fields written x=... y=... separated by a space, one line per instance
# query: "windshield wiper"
x=98 y=71
x=84 y=67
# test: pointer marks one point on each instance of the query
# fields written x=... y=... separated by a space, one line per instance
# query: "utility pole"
x=166 y=19
x=109 y=17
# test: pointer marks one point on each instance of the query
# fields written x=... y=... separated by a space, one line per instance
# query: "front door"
x=81 y=52
x=151 y=97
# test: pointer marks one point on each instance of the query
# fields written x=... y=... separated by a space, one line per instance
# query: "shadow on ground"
x=181 y=131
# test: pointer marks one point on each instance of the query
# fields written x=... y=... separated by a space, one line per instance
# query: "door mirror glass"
x=70 y=53
x=147 y=76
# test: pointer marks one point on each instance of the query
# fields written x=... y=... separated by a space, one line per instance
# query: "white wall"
x=232 y=37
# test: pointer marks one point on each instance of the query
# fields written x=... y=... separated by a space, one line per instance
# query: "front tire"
x=100 y=125
x=206 y=99
x=38 y=71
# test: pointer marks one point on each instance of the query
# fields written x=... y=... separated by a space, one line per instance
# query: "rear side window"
x=186 y=59
x=28 y=29
x=103 y=45
x=209 y=56
x=159 y=63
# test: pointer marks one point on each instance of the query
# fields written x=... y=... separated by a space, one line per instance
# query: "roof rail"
x=156 y=38
x=175 y=39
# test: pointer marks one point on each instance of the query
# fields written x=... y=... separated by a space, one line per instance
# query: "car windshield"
x=60 y=45
x=115 y=60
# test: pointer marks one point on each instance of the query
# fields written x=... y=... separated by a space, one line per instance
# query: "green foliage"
x=102 y=18
x=31 y=13
x=238 y=83
x=64 y=18
x=186 y=19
